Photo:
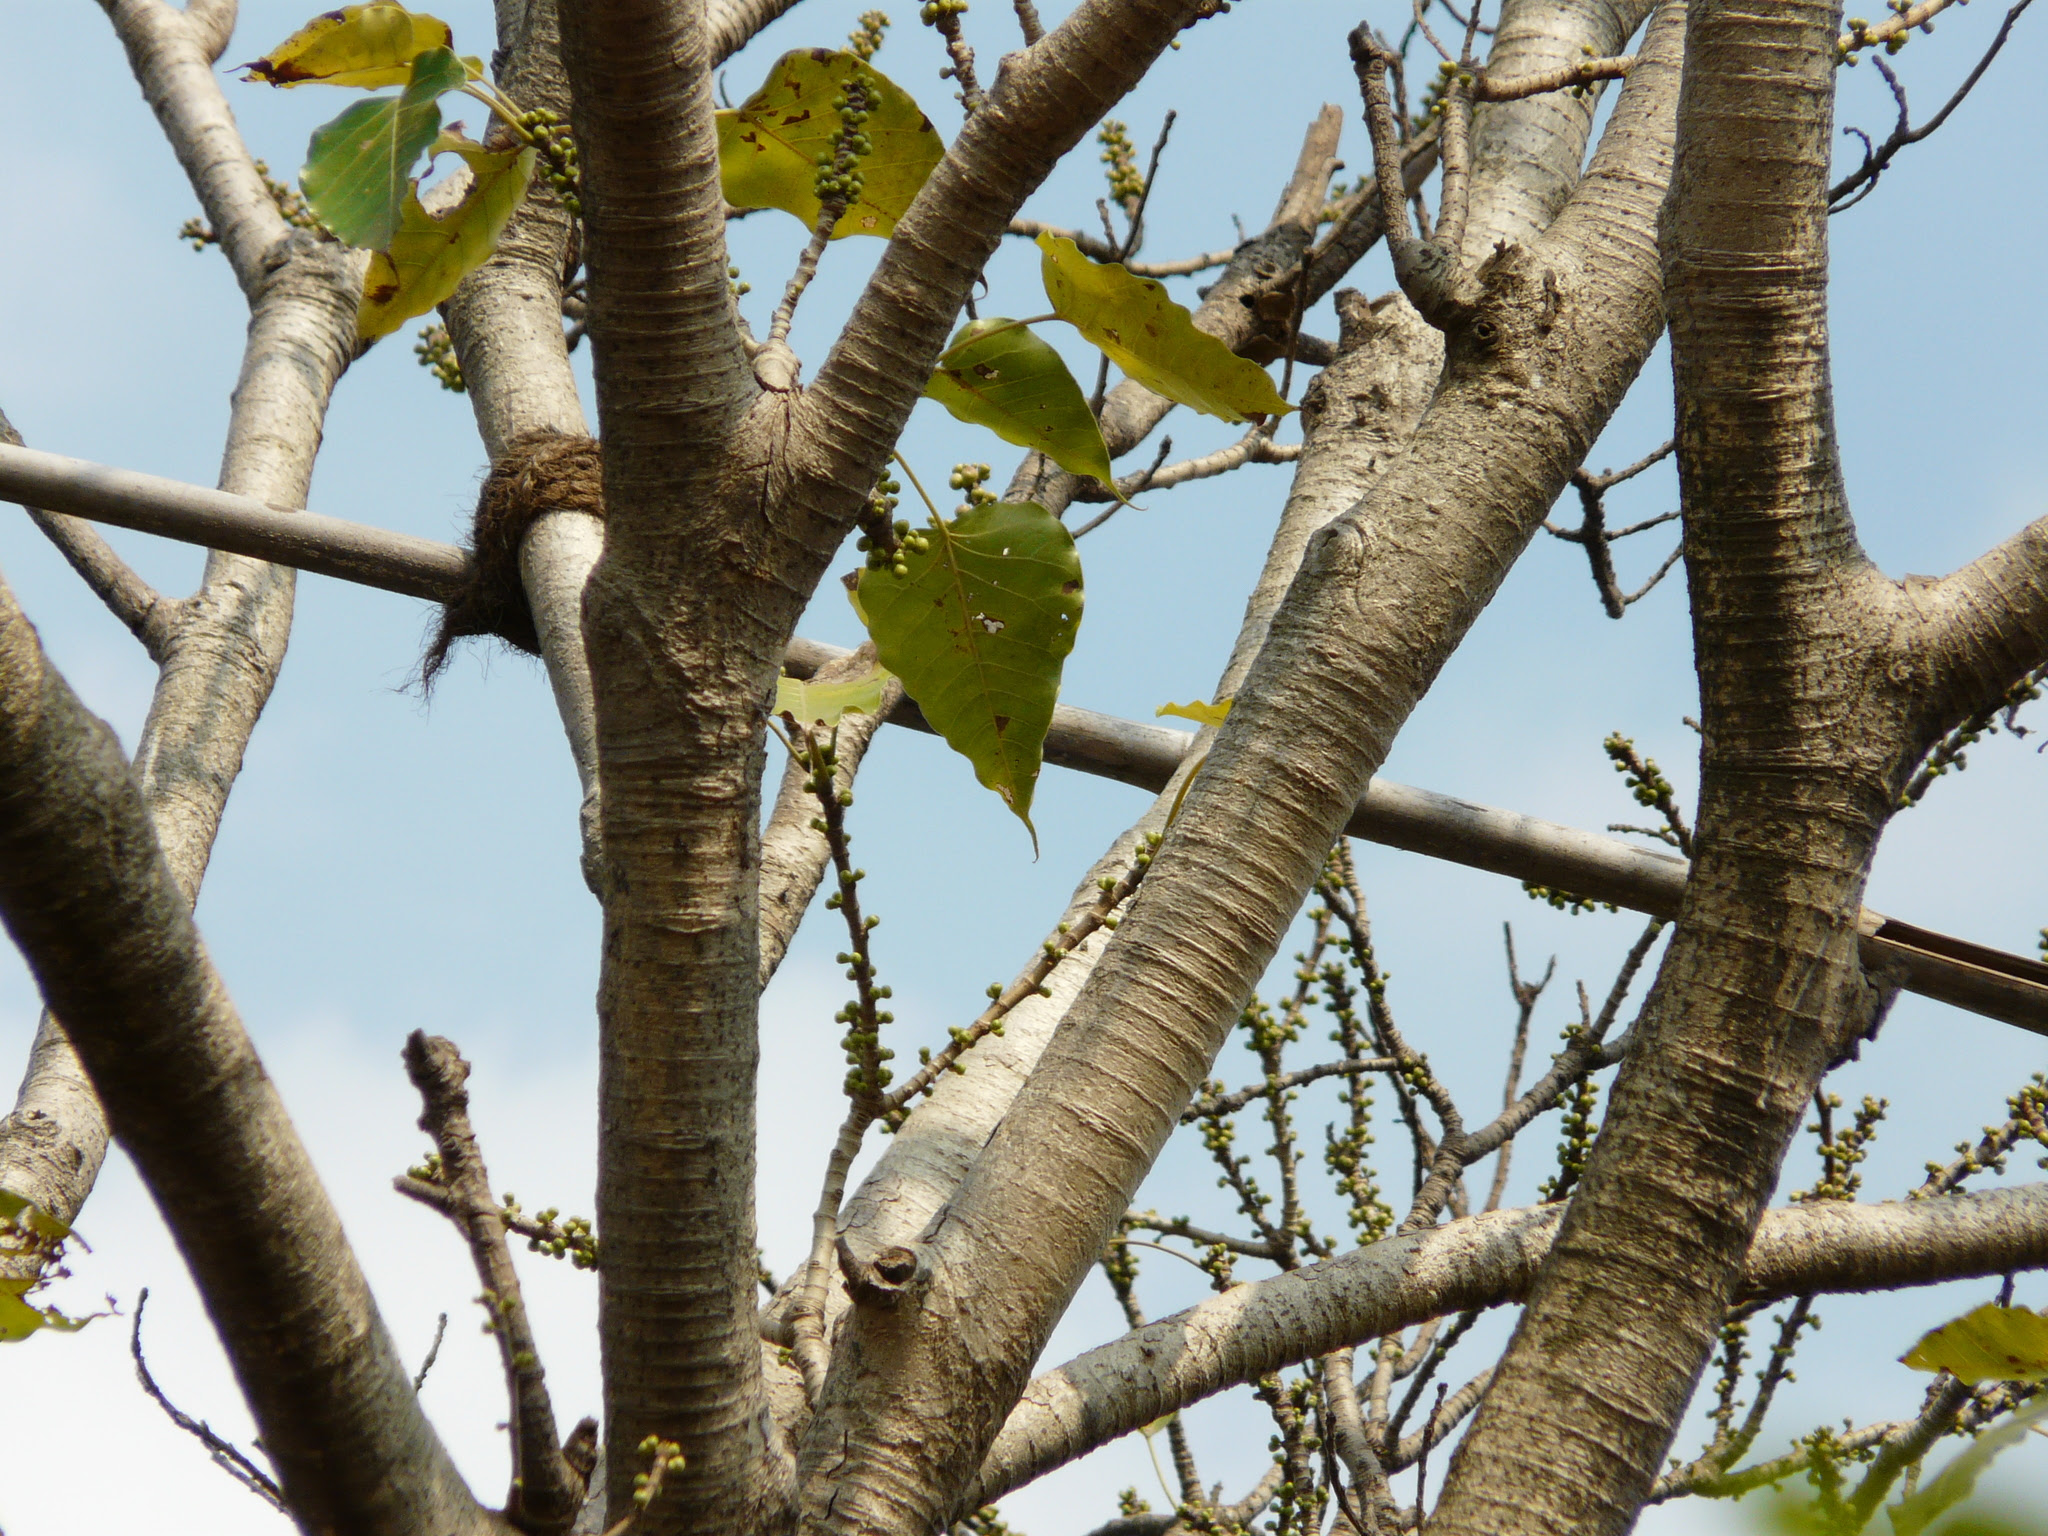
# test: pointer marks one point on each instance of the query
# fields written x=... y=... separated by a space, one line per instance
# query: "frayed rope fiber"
x=538 y=472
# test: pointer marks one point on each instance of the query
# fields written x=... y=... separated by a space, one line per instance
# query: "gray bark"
x=106 y=926
x=1385 y=593
x=1478 y=1261
x=1822 y=684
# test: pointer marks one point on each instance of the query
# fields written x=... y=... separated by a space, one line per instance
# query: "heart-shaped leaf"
x=428 y=257
x=1151 y=338
x=978 y=628
x=1993 y=1343
x=359 y=167
x=768 y=150
x=371 y=46
x=1001 y=375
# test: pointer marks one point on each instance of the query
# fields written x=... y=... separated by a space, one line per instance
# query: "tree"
x=893 y=1390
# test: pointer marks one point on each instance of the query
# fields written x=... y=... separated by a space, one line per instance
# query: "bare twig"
x=1859 y=183
x=1594 y=534
x=433 y=1352
x=1027 y=18
x=1566 y=77
x=1526 y=994
x=225 y=1454
x=1136 y=234
x=546 y=1490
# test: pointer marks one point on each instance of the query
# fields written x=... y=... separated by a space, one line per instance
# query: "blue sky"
x=387 y=865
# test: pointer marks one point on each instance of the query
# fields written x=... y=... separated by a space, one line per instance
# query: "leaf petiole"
x=917 y=485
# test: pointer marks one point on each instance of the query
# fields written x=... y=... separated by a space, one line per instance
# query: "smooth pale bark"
x=1356 y=422
x=1480 y=1261
x=1384 y=595
x=106 y=928
x=1822 y=683
x=220 y=655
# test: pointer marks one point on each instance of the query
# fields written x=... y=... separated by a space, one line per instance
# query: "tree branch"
x=1043 y=101
x=107 y=931
x=223 y=656
x=1033 y=1213
x=139 y=607
x=546 y=1490
x=733 y=23
x=1480 y=1261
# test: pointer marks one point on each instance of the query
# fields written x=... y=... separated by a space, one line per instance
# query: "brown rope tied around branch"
x=538 y=472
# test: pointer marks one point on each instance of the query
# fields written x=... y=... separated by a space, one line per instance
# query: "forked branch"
x=546 y=1490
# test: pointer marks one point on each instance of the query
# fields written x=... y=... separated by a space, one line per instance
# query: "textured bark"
x=1384 y=595
x=1479 y=1261
x=1822 y=684
x=107 y=929
x=220 y=656
x=724 y=502
x=677 y=705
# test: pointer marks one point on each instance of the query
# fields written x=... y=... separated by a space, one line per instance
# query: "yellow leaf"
x=1993 y=1343
x=1151 y=338
x=825 y=703
x=429 y=257
x=361 y=45
x=1201 y=712
x=17 y=1318
x=768 y=150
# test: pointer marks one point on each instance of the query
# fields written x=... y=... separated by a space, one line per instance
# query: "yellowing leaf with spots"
x=768 y=149
x=1151 y=338
x=1993 y=1343
x=825 y=703
x=1000 y=375
x=428 y=257
x=1198 y=710
x=361 y=45
x=978 y=629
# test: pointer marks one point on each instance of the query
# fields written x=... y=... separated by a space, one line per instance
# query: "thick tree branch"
x=220 y=660
x=506 y=323
x=107 y=930
x=1808 y=735
x=1479 y=1261
x=1348 y=655
x=172 y=54
x=1987 y=626
x=733 y=23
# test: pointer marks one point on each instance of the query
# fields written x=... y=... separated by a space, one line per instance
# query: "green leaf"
x=1198 y=710
x=362 y=45
x=358 y=169
x=1000 y=375
x=17 y=1318
x=824 y=703
x=1151 y=338
x=977 y=630
x=428 y=257
x=768 y=150
x=1993 y=1343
